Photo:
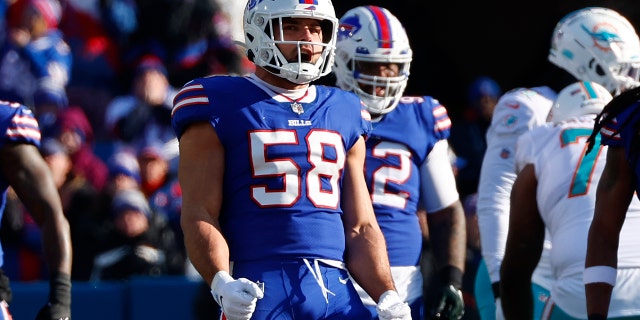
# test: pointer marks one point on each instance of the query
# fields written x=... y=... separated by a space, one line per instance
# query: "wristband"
x=451 y=275
x=604 y=274
x=60 y=289
x=596 y=317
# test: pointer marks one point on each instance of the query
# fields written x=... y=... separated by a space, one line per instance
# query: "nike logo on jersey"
x=343 y=281
x=299 y=123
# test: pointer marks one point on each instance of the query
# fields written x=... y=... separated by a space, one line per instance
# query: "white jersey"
x=517 y=111
x=567 y=181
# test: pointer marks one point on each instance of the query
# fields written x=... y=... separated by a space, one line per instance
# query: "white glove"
x=499 y=314
x=237 y=298
x=391 y=307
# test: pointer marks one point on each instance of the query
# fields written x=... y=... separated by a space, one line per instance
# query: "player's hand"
x=59 y=305
x=237 y=298
x=54 y=312
x=451 y=305
x=391 y=307
x=499 y=314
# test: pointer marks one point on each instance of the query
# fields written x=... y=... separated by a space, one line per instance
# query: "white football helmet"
x=261 y=17
x=579 y=99
x=598 y=44
x=371 y=34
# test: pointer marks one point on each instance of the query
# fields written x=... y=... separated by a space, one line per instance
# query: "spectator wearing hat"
x=48 y=102
x=34 y=58
x=124 y=174
x=144 y=114
x=160 y=185
x=469 y=129
x=124 y=170
x=74 y=131
x=137 y=243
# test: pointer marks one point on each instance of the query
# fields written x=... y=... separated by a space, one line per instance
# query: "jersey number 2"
x=397 y=174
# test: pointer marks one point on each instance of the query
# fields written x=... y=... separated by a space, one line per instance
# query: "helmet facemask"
x=264 y=34
x=371 y=36
x=379 y=93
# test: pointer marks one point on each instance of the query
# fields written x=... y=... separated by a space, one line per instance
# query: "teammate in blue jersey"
x=24 y=170
x=407 y=158
x=276 y=213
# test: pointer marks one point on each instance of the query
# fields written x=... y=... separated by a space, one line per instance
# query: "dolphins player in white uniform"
x=592 y=44
x=556 y=189
x=518 y=111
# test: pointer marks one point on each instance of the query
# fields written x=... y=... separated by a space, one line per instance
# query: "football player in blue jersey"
x=276 y=213
x=407 y=158
x=23 y=169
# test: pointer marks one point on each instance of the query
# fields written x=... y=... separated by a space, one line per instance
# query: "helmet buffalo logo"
x=603 y=36
x=253 y=3
x=348 y=27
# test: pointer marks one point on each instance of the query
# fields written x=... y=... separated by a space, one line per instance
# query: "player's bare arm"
x=525 y=241
x=31 y=179
x=201 y=172
x=366 y=249
x=449 y=226
x=615 y=191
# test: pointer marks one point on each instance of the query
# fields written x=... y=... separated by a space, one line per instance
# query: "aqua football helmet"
x=263 y=20
x=597 y=44
x=371 y=34
x=579 y=99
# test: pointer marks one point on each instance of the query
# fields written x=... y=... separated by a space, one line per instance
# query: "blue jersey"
x=283 y=170
x=624 y=137
x=18 y=125
x=396 y=149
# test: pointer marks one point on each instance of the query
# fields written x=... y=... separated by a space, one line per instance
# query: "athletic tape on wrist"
x=596 y=274
x=60 y=288
x=451 y=275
